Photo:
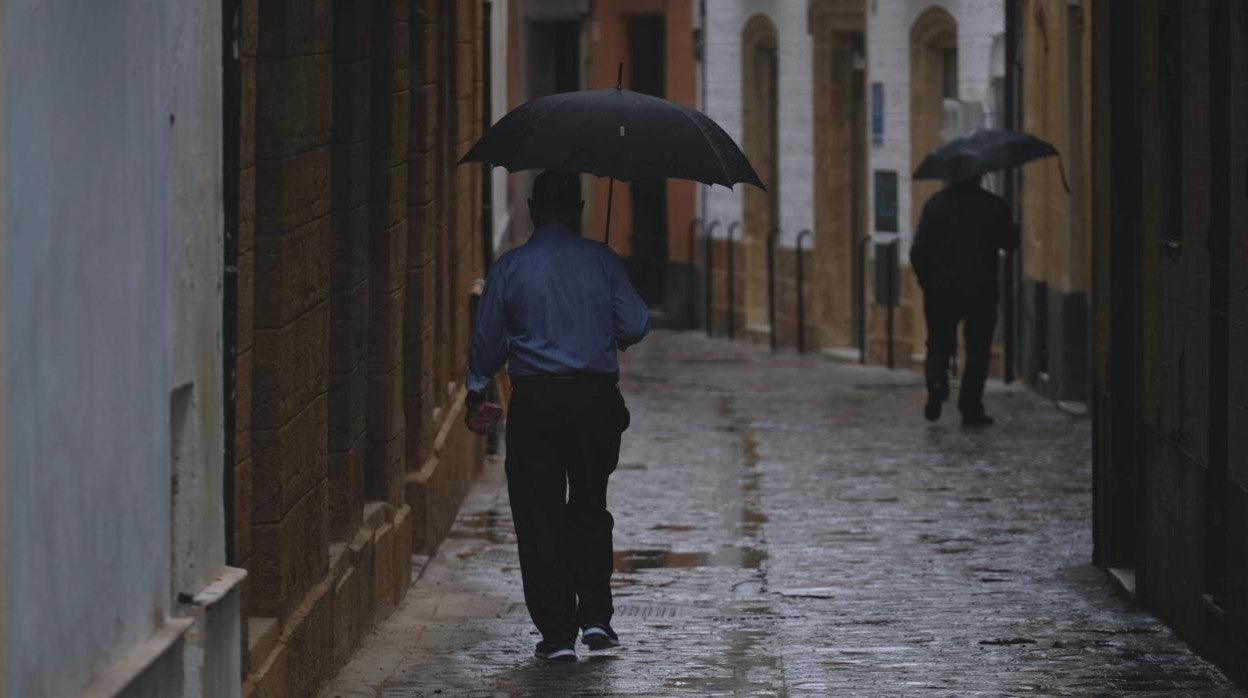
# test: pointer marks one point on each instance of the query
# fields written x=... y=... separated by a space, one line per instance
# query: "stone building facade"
x=828 y=98
x=359 y=239
x=1169 y=308
x=1055 y=103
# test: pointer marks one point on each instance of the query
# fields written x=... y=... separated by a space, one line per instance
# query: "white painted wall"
x=499 y=33
x=725 y=20
x=111 y=292
x=888 y=62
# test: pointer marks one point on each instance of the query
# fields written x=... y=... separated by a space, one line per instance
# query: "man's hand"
x=482 y=416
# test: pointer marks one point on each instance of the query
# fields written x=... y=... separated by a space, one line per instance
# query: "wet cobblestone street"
x=790 y=525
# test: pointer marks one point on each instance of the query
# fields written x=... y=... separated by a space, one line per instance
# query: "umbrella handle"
x=606 y=237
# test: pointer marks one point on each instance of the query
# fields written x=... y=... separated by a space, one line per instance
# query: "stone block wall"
x=1169 y=314
x=1055 y=39
x=359 y=237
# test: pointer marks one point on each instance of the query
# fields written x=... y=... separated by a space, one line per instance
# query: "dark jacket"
x=955 y=248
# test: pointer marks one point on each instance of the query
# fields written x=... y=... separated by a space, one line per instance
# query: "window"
x=949 y=73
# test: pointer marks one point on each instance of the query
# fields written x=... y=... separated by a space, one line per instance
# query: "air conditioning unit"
x=958 y=117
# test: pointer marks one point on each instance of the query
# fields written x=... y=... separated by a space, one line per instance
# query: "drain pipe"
x=231 y=119
x=1009 y=303
x=709 y=270
x=801 y=294
x=731 y=285
x=862 y=298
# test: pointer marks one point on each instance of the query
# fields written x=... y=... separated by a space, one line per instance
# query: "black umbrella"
x=614 y=133
x=985 y=150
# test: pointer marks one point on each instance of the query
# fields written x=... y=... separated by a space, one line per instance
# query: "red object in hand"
x=482 y=417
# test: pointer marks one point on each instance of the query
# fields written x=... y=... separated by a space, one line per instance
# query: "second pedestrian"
x=955 y=257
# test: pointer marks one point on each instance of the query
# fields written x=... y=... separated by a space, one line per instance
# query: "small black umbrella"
x=985 y=150
x=614 y=133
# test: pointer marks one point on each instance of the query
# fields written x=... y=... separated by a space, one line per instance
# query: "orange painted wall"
x=605 y=53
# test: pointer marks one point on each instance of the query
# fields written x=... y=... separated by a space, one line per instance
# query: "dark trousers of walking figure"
x=563 y=443
x=978 y=317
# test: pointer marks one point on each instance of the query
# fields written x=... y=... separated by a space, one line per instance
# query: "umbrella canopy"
x=983 y=151
x=614 y=133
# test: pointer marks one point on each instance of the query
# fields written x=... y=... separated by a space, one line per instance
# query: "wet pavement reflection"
x=787 y=525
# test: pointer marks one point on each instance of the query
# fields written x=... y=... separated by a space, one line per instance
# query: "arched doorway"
x=933 y=79
x=838 y=136
x=761 y=215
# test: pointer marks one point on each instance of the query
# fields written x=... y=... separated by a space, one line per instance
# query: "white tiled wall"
x=725 y=20
x=980 y=22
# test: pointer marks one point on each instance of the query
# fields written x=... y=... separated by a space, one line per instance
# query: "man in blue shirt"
x=556 y=309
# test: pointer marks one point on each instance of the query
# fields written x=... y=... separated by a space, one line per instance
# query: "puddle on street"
x=490 y=525
x=675 y=528
x=634 y=560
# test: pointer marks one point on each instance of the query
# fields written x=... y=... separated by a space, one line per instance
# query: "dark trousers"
x=563 y=443
x=978 y=316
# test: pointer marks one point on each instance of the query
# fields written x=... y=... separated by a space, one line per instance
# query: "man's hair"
x=554 y=190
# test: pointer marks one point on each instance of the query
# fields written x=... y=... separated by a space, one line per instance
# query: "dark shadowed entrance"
x=647 y=45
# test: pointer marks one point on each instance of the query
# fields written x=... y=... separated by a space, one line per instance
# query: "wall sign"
x=877 y=113
x=886 y=201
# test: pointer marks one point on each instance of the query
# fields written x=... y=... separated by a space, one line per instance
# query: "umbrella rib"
x=707 y=137
x=533 y=123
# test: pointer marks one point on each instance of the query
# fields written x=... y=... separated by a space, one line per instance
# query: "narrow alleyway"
x=785 y=524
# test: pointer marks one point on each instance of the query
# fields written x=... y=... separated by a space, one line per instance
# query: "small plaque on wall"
x=877 y=113
x=885 y=201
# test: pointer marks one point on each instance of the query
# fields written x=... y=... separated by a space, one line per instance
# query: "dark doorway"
x=647 y=46
x=552 y=64
x=555 y=47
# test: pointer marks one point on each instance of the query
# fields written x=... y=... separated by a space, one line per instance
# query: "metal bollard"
x=709 y=239
x=801 y=295
x=731 y=286
x=771 y=283
x=691 y=236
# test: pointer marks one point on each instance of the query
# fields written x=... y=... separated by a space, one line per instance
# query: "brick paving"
x=790 y=525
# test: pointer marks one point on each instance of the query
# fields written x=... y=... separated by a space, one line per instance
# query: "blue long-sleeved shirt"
x=557 y=304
